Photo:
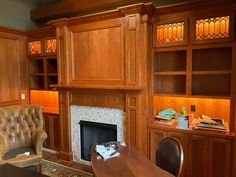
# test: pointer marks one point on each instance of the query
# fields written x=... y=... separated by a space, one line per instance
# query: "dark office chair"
x=170 y=156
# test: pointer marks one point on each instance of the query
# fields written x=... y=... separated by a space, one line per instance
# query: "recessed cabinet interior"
x=170 y=72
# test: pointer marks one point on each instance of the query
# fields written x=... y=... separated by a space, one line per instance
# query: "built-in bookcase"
x=42 y=63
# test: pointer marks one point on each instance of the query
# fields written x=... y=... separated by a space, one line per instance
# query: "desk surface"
x=8 y=170
x=130 y=163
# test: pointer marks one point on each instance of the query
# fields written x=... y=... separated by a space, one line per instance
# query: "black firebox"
x=92 y=133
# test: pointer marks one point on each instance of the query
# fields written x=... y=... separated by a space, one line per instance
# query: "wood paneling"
x=97 y=53
x=51 y=126
x=13 y=72
x=102 y=61
x=198 y=156
x=220 y=157
x=65 y=151
x=109 y=99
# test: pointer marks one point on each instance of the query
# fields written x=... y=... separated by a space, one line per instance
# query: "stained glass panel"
x=34 y=47
x=50 y=46
x=212 y=28
x=170 y=33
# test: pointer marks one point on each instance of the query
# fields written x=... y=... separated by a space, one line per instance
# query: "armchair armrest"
x=2 y=147
x=39 y=139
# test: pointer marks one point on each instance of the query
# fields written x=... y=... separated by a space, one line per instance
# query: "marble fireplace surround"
x=93 y=114
x=125 y=102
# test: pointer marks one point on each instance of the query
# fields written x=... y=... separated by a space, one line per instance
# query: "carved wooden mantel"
x=103 y=61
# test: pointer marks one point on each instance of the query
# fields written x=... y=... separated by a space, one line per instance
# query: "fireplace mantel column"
x=65 y=152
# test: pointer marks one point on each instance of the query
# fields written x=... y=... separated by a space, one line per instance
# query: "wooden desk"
x=130 y=163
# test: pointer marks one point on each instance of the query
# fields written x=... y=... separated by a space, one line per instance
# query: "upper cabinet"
x=168 y=32
x=42 y=46
x=200 y=27
x=193 y=54
x=103 y=50
x=42 y=54
x=212 y=28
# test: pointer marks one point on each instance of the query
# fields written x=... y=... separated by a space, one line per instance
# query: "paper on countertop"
x=106 y=153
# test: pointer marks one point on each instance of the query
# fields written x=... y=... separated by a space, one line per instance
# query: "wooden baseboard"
x=67 y=156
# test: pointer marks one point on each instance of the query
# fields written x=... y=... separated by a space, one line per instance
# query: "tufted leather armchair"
x=21 y=127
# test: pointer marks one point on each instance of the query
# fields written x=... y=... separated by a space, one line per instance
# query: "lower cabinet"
x=157 y=135
x=204 y=155
x=51 y=126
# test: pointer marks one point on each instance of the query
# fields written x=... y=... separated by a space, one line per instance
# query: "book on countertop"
x=166 y=122
x=219 y=126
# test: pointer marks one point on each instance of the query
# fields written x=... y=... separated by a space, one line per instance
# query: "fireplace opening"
x=92 y=133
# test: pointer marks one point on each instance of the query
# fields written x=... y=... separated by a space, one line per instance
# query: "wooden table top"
x=130 y=163
x=8 y=170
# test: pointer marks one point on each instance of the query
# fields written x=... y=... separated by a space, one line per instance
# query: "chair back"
x=19 y=125
x=170 y=156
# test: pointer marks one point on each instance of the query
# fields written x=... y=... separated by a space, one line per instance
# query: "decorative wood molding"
x=41 y=32
x=96 y=87
x=192 y=5
x=12 y=31
x=141 y=8
x=108 y=99
x=70 y=8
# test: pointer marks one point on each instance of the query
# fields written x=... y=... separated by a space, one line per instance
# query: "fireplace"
x=86 y=120
x=92 y=133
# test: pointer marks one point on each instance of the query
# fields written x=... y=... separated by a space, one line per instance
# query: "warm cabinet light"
x=50 y=46
x=34 y=47
x=47 y=99
x=212 y=28
x=217 y=108
x=170 y=33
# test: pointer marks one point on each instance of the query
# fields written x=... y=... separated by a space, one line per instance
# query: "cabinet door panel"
x=198 y=156
x=155 y=137
x=9 y=72
x=97 y=54
x=51 y=126
x=220 y=157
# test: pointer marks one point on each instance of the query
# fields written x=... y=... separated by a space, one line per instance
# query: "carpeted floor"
x=57 y=170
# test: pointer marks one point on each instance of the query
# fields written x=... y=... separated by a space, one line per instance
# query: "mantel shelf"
x=102 y=87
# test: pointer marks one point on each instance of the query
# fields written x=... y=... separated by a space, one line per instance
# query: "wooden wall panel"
x=97 y=54
x=51 y=126
x=220 y=153
x=132 y=115
x=108 y=99
x=198 y=156
x=13 y=72
x=10 y=85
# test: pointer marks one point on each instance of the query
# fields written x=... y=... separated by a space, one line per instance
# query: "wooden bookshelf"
x=42 y=59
